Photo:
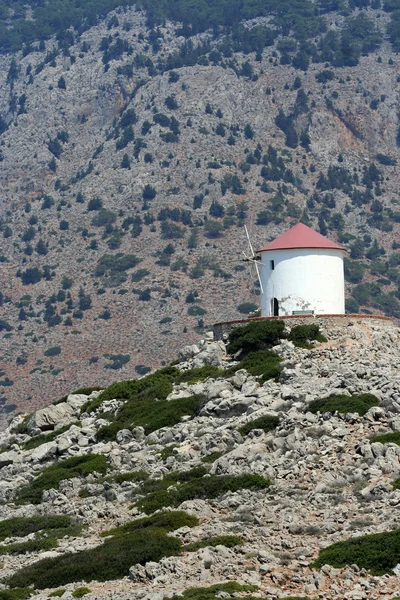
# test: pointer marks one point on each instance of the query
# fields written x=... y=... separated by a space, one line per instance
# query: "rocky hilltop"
x=134 y=148
x=202 y=473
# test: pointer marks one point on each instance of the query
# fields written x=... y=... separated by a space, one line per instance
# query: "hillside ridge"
x=268 y=473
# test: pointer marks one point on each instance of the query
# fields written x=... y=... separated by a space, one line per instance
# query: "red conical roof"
x=300 y=236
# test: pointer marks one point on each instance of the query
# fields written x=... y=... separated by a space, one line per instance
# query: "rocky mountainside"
x=231 y=481
x=132 y=153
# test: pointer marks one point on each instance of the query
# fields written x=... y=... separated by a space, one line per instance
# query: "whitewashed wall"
x=303 y=279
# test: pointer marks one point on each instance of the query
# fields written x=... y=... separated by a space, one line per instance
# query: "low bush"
x=264 y=363
x=133 y=476
x=167 y=521
x=303 y=335
x=167 y=451
x=247 y=307
x=36 y=545
x=200 y=374
x=76 y=466
x=358 y=403
x=169 y=479
x=152 y=414
x=208 y=487
x=16 y=594
x=267 y=423
x=140 y=541
x=229 y=541
x=379 y=553
x=22 y=526
x=214 y=592
x=155 y=386
x=42 y=438
x=259 y=335
x=80 y=592
x=57 y=593
x=387 y=438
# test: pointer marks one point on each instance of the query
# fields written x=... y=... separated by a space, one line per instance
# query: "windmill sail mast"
x=253 y=258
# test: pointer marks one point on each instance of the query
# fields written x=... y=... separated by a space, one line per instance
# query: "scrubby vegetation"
x=387 y=438
x=357 y=403
x=22 y=526
x=76 y=466
x=16 y=594
x=379 y=553
x=199 y=374
x=264 y=363
x=259 y=335
x=197 y=486
x=42 y=438
x=80 y=592
x=167 y=521
x=267 y=423
x=140 y=541
x=143 y=412
x=214 y=592
x=303 y=335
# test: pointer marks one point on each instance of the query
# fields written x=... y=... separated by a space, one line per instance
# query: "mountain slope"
x=131 y=158
x=262 y=481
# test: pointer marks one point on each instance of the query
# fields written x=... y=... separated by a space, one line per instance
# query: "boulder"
x=47 y=418
x=44 y=451
x=188 y=352
x=212 y=354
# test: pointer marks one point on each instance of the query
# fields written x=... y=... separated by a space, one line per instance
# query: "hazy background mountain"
x=135 y=142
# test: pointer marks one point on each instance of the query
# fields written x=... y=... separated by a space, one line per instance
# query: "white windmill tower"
x=300 y=272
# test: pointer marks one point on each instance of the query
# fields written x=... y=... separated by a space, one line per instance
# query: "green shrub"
x=111 y=560
x=22 y=526
x=211 y=486
x=167 y=452
x=379 y=553
x=128 y=390
x=130 y=476
x=229 y=541
x=302 y=335
x=358 y=403
x=213 y=592
x=258 y=335
x=57 y=593
x=80 y=592
x=267 y=423
x=36 y=545
x=76 y=466
x=42 y=438
x=140 y=541
x=53 y=351
x=247 y=307
x=167 y=521
x=152 y=414
x=264 y=363
x=387 y=438
x=156 y=386
x=16 y=594
x=200 y=374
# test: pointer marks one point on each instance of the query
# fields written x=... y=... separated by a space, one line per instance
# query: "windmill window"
x=272 y=264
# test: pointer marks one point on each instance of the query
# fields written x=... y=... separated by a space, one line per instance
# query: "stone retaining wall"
x=325 y=322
